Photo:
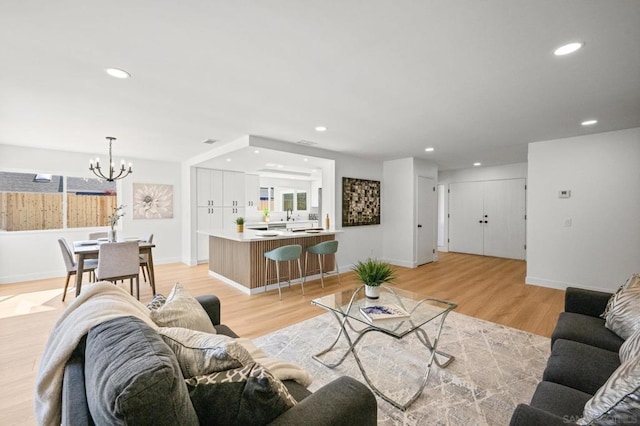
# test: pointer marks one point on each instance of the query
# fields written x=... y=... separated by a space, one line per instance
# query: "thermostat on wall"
x=564 y=193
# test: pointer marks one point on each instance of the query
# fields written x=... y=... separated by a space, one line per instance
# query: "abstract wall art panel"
x=360 y=202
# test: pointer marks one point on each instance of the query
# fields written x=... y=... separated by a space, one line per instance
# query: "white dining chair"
x=119 y=261
x=71 y=265
x=96 y=235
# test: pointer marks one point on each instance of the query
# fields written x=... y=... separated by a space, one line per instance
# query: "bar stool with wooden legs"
x=322 y=249
x=282 y=254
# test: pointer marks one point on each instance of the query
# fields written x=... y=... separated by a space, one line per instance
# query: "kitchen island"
x=238 y=258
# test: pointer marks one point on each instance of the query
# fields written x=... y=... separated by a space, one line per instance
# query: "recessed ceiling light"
x=270 y=164
x=589 y=122
x=117 y=73
x=305 y=160
x=314 y=170
x=321 y=129
x=567 y=48
x=279 y=166
x=228 y=160
x=476 y=164
x=430 y=149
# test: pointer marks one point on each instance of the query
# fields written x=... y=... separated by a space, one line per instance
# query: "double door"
x=488 y=218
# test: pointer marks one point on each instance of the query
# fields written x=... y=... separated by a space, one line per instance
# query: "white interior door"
x=465 y=217
x=504 y=211
x=426 y=220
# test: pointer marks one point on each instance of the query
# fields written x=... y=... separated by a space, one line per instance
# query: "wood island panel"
x=244 y=262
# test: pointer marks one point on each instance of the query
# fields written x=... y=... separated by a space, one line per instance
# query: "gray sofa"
x=584 y=353
x=344 y=401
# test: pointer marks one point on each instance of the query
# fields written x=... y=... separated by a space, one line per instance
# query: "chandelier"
x=124 y=172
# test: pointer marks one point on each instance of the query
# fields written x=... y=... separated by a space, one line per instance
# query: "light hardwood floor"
x=489 y=288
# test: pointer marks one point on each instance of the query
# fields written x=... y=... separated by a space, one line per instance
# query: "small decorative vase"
x=111 y=236
x=372 y=292
x=266 y=218
x=240 y=228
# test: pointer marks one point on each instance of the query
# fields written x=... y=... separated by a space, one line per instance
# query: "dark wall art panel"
x=360 y=202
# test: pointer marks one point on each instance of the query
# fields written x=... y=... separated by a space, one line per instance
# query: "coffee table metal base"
x=421 y=335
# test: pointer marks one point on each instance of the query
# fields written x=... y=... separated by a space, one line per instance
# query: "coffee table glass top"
x=421 y=309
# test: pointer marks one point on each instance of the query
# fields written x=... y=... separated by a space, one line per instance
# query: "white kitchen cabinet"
x=252 y=193
x=208 y=218
x=229 y=216
x=209 y=187
x=233 y=190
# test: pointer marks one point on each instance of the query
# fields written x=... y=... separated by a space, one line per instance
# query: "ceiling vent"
x=210 y=141
x=306 y=143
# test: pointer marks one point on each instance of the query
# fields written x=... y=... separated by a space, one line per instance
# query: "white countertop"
x=253 y=235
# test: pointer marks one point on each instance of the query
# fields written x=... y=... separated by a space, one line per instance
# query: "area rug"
x=496 y=368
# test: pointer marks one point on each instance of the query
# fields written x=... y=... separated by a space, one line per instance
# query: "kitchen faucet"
x=289 y=214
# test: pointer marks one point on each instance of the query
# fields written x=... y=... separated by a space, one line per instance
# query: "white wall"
x=601 y=248
x=399 y=210
x=31 y=255
x=476 y=174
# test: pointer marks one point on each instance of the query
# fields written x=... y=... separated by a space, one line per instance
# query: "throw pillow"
x=624 y=316
x=250 y=395
x=201 y=353
x=618 y=400
x=157 y=301
x=182 y=310
x=132 y=377
x=633 y=280
x=630 y=348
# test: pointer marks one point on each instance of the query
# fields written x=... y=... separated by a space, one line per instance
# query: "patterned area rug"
x=496 y=368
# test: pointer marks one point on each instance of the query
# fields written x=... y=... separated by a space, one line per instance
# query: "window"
x=288 y=197
x=38 y=201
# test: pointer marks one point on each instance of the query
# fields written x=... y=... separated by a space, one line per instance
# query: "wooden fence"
x=26 y=211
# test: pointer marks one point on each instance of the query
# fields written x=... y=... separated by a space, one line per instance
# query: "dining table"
x=89 y=249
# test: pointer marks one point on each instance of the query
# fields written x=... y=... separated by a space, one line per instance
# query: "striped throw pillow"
x=618 y=400
x=624 y=316
x=630 y=348
x=632 y=281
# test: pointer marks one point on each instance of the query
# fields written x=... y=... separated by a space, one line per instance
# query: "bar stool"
x=282 y=254
x=322 y=249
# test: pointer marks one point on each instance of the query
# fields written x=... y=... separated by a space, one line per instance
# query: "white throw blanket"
x=281 y=369
x=96 y=304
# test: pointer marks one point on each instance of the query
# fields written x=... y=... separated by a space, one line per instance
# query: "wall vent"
x=210 y=141
x=307 y=143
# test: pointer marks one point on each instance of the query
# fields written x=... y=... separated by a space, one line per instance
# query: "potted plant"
x=373 y=273
x=240 y=224
x=265 y=215
x=118 y=212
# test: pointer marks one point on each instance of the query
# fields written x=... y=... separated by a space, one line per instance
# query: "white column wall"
x=32 y=255
x=601 y=248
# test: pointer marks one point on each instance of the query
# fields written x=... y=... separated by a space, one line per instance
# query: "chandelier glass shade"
x=111 y=176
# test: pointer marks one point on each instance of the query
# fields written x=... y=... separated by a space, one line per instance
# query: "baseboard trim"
x=560 y=285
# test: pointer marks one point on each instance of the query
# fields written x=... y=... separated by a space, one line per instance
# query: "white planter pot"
x=111 y=236
x=372 y=292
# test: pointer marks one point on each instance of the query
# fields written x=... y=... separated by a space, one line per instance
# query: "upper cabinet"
x=209 y=185
x=220 y=188
x=233 y=189
x=252 y=192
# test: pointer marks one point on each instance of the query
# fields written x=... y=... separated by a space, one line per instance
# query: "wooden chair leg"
x=66 y=285
x=138 y=287
x=144 y=275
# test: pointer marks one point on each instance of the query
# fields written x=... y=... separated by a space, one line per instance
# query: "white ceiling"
x=477 y=80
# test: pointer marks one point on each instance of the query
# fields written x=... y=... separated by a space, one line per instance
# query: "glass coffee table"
x=345 y=307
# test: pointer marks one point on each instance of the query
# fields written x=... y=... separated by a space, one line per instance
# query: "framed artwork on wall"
x=152 y=201
x=360 y=202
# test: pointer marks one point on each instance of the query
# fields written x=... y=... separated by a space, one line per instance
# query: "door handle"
x=419 y=226
x=479 y=221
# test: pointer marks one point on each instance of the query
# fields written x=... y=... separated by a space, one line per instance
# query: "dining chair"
x=322 y=250
x=71 y=265
x=283 y=254
x=144 y=258
x=96 y=235
x=119 y=261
